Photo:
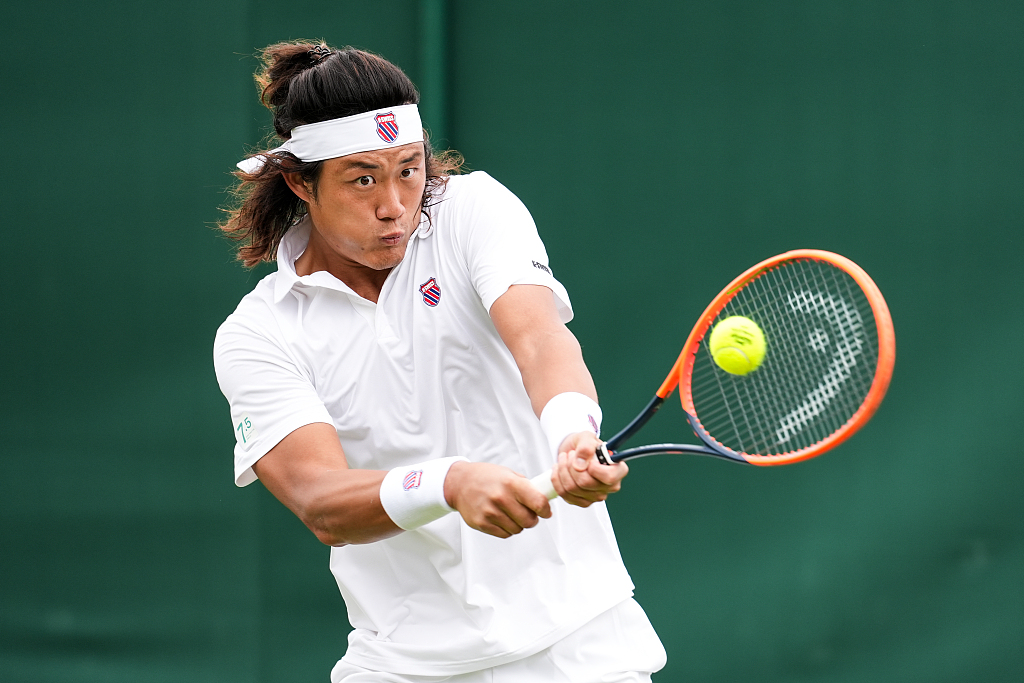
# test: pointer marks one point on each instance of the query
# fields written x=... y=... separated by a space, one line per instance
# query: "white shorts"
x=618 y=646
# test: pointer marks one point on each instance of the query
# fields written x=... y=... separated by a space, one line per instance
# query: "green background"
x=662 y=148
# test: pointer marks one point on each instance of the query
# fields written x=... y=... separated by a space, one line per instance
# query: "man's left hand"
x=579 y=477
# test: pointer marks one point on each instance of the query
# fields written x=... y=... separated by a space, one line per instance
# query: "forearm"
x=553 y=364
x=490 y=498
x=547 y=353
x=343 y=507
x=307 y=471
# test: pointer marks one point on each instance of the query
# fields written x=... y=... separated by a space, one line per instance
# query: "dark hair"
x=305 y=82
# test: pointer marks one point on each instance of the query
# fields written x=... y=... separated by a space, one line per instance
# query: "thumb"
x=580 y=460
x=581 y=454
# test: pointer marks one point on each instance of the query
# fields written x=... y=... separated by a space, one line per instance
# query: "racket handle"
x=542 y=482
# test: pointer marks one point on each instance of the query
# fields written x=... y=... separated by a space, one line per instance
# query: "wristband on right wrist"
x=413 y=495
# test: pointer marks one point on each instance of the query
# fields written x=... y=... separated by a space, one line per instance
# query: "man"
x=386 y=383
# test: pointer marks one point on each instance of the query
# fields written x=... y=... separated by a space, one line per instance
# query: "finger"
x=522 y=517
x=583 y=501
x=520 y=505
x=608 y=475
x=585 y=481
x=534 y=501
x=564 y=483
x=583 y=454
x=498 y=518
x=492 y=530
x=598 y=477
x=569 y=486
x=566 y=487
x=586 y=453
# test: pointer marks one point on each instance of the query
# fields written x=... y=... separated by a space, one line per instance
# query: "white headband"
x=380 y=129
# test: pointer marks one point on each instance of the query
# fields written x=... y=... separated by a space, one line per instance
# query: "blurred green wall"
x=662 y=148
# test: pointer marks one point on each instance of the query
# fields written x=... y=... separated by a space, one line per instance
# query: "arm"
x=307 y=471
x=551 y=362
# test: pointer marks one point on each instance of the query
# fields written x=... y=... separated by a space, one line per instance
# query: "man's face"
x=367 y=206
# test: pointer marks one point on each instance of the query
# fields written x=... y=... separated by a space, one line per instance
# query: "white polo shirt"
x=423 y=374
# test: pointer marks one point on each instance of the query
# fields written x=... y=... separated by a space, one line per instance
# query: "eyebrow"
x=363 y=164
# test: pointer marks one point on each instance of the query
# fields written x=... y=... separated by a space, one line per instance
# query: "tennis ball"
x=737 y=344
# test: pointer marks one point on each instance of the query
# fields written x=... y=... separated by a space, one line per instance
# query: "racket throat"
x=634 y=426
x=710 y=443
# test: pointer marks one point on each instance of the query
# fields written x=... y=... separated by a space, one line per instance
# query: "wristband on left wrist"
x=568 y=413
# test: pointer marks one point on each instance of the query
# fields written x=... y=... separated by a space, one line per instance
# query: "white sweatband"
x=413 y=495
x=567 y=414
x=372 y=130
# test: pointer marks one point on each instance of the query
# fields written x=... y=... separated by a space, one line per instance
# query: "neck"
x=364 y=281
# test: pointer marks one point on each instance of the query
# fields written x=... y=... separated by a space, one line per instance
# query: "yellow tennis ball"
x=737 y=344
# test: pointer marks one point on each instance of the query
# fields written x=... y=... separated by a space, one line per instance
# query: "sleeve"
x=269 y=394
x=500 y=243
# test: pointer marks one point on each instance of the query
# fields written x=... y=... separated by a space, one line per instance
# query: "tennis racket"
x=830 y=350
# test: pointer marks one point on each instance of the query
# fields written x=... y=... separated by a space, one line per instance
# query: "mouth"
x=393 y=238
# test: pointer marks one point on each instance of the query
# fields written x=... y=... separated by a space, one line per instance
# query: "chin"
x=389 y=260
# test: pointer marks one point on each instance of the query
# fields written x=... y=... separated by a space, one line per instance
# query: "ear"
x=297 y=186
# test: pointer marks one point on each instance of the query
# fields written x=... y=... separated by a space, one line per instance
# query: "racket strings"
x=822 y=350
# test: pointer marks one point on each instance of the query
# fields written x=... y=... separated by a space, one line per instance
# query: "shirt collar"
x=294 y=243
x=291 y=247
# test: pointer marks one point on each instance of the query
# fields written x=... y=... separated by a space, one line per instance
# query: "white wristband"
x=567 y=414
x=413 y=495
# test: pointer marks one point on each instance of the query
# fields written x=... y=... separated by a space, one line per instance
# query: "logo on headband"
x=387 y=127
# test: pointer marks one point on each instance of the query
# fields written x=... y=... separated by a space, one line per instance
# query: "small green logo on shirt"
x=245 y=431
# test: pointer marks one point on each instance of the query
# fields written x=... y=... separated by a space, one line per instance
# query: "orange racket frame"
x=682 y=371
x=681 y=376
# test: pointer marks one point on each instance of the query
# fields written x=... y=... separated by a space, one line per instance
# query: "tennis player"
x=400 y=376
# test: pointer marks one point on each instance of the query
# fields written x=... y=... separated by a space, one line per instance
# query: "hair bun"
x=318 y=53
x=282 y=64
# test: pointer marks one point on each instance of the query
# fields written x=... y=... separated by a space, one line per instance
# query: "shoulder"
x=254 y=316
x=475 y=200
x=473 y=185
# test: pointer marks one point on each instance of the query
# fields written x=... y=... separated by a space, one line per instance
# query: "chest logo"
x=431 y=292
x=387 y=127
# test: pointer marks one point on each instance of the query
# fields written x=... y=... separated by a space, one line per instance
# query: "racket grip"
x=542 y=482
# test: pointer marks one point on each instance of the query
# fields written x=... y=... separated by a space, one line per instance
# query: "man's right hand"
x=494 y=499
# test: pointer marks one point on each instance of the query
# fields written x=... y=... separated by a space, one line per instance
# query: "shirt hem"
x=420 y=668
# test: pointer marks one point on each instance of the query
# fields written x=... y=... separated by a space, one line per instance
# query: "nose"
x=390 y=207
